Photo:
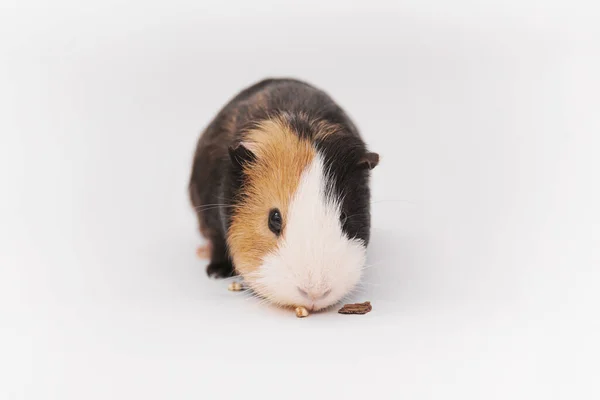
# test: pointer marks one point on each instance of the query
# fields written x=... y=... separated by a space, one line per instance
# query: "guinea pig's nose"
x=314 y=294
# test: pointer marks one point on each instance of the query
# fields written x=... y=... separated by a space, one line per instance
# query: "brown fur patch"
x=272 y=180
x=325 y=129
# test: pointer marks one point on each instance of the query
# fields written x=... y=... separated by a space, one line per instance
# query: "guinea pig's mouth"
x=316 y=308
x=261 y=292
x=317 y=305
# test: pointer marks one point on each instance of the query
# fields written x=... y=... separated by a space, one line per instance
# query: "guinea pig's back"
x=297 y=99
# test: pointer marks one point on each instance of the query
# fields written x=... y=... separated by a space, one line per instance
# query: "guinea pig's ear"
x=369 y=160
x=241 y=154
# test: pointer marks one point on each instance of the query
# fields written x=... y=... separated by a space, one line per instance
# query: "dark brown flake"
x=356 y=308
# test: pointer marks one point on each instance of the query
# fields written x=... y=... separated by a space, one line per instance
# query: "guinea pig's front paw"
x=204 y=252
x=220 y=269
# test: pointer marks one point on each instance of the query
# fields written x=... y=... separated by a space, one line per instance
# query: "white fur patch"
x=314 y=255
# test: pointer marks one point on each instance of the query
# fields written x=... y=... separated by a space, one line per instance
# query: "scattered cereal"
x=301 y=312
x=235 y=286
x=356 y=308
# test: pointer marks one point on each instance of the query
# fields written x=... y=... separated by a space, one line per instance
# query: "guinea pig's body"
x=280 y=184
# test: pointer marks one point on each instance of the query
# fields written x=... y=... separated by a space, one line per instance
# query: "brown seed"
x=301 y=312
x=356 y=308
x=235 y=287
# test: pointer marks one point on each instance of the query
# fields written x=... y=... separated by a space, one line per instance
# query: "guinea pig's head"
x=301 y=220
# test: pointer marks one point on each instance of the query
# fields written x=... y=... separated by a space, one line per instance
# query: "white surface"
x=486 y=218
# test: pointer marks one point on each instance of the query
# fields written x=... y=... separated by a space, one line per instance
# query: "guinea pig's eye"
x=343 y=217
x=275 y=221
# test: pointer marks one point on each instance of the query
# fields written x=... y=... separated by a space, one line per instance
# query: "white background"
x=486 y=234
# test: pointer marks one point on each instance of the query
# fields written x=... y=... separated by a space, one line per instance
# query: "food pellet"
x=301 y=312
x=235 y=286
x=356 y=308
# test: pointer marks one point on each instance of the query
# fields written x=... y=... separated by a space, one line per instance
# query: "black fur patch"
x=350 y=183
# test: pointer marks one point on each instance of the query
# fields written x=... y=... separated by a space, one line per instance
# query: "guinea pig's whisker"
x=392 y=201
x=370 y=267
x=352 y=295
x=369 y=283
x=375 y=264
x=356 y=215
x=212 y=206
x=356 y=288
x=253 y=297
x=347 y=297
x=265 y=302
x=230 y=278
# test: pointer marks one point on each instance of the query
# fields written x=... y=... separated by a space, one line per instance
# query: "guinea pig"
x=280 y=186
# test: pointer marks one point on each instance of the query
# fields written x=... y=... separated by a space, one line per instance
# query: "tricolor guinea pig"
x=280 y=185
